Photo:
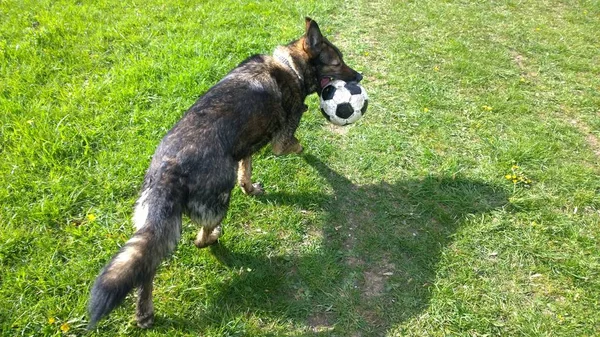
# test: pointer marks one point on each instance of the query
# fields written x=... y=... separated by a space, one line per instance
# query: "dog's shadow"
x=376 y=260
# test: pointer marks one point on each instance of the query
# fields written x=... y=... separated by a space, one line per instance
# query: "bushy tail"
x=136 y=262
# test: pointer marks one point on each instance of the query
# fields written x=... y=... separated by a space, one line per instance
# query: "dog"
x=193 y=170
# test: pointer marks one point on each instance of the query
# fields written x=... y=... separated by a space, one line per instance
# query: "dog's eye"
x=329 y=60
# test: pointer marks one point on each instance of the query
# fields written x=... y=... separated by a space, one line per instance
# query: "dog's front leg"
x=245 y=178
x=284 y=142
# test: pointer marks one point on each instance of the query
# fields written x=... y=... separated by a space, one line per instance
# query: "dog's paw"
x=297 y=148
x=206 y=238
x=145 y=320
x=257 y=189
x=253 y=189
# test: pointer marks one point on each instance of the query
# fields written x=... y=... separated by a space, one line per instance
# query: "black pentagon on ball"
x=325 y=114
x=353 y=88
x=344 y=110
x=364 y=107
x=328 y=92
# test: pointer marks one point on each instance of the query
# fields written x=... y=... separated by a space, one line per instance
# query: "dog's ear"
x=313 y=38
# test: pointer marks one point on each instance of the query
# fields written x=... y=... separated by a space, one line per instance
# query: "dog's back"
x=238 y=115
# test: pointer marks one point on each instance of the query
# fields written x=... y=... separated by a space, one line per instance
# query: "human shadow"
x=376 y=260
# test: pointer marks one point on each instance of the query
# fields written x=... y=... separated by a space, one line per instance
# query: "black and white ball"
x=343 y=103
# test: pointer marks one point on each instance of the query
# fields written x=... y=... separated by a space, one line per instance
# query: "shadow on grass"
x=373 y=270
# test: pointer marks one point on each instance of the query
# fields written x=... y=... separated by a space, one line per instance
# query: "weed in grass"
x=517 y=177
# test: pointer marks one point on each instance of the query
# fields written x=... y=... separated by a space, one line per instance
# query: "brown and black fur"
x=194 y=167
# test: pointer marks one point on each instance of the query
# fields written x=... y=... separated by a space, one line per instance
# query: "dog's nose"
x=358 y=77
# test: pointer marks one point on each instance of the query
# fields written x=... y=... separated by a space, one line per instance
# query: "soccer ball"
x=343 y=103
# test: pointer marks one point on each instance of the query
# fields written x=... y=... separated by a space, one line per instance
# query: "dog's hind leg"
x=208 y=210
x=144 y=314
x=158 y=221
x=210 y=221
x=208 y=236
x=245 y=178
x=208 y=201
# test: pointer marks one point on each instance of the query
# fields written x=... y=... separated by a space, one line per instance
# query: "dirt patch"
x=594 y=143
x=354 y=261
x=591 y=139
x=375 y=278
x=374 y=283
x=351 y=230
x=519 y=59
x=340 y=130
x=320 y=322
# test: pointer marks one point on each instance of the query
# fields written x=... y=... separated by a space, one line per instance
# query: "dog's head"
x=326 y=58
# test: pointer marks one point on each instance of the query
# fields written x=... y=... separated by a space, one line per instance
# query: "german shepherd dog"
x=194 y=167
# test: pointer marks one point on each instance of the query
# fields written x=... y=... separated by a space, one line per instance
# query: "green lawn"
x=465 y=203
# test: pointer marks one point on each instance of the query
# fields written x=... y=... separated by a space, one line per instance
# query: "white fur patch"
x=140 y=214
x=201 y=214
x=122 y=260
x=283 y=56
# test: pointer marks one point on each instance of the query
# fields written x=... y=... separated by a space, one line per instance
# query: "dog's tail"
x=158 y=223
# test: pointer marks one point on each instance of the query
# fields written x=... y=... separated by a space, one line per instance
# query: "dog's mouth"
x=325 y=80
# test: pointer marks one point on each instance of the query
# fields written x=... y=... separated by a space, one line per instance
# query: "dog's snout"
x=358 y=77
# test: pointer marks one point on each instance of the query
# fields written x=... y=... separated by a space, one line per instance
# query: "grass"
x=404 y=224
